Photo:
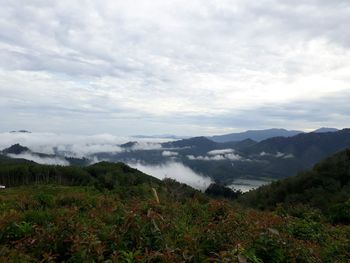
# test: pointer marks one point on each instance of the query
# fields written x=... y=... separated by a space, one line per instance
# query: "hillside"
x=302 y=150
x=118 y=214
x=326 y=187
x=309 y=146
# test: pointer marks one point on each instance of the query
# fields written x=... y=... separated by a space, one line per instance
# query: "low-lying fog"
x=75 y=145
x=85 y=146
x=66 y=145
x=175 y=170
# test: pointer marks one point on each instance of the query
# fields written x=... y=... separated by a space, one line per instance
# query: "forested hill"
x=308 y=148
x=326 y=187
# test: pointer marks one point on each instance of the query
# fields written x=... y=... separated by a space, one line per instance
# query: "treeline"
x=326 y=187
x=102 y=175
x=217 y=190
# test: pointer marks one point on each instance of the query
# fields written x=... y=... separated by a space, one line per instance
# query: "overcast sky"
x=185 y=67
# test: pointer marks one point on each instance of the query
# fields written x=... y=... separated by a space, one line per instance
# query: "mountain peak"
x=16 y=149
x=128 y=144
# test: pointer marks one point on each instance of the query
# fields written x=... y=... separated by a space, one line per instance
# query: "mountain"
x=15 y=149
x=18 y=151
x=269 y=158
x=256 y=135
x=324 y=129
x=309 y=148
x=273 y=158
x=242 y=144
x=128 y=144
x=326 y=187
x=199 y=143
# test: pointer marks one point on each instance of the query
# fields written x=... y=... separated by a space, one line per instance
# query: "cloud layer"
x=38 y=159
x=184 y=67
x=176 y=171
x=75 y=145
x=218 y=155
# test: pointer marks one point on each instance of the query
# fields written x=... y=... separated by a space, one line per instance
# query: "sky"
x=183 y=67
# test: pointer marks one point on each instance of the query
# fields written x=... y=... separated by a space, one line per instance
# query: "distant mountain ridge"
x=256 y=135
x=325 y=129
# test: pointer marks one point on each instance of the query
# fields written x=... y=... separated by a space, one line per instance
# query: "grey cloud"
x=174 y=67
x=332 y=110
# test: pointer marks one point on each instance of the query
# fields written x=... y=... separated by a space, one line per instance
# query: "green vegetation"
x=326 y=187
x=102 y=175
x=219 y=190
x=50 y=223
x=113 y=213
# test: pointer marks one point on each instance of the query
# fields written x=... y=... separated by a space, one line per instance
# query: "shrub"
x=44 y=200
x=340 y=213
x=306 y=230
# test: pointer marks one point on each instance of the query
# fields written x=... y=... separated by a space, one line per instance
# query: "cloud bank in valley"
x=218 y=155
x=40 y=160
x=278 y=155
x=84 y=146
x=169 y=154
x=176 y=171
x=75 y=145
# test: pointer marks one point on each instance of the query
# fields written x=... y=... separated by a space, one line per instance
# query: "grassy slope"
x=115 y=217
x=82 y=224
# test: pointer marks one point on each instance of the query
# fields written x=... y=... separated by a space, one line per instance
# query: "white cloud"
x=219 y=157
x=145 y=145
x=176 y=171
x=278 y=155
x=169 y=154
x=38 y=159
x=221 y=151
x=74 y=145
